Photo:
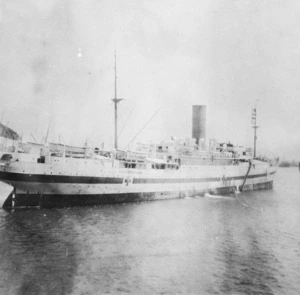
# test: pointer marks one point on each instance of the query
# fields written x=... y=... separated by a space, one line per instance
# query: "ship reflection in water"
x=197 y=245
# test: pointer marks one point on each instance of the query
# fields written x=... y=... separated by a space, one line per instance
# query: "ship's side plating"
x=78 y=181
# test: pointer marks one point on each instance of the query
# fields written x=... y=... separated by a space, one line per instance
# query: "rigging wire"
x=150 y=119
x=127 y=120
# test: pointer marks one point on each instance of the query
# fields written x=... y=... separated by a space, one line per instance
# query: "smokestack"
x=199 y=123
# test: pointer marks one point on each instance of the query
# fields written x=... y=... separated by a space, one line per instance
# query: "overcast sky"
x=57 y=59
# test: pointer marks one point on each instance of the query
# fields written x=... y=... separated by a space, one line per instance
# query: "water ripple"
x=189 y=246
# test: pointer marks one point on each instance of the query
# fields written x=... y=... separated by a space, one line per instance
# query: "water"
x=244 y=245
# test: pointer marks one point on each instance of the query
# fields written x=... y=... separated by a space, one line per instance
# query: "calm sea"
x=203 y=245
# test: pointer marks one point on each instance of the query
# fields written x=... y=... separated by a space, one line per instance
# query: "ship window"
x=41 y=159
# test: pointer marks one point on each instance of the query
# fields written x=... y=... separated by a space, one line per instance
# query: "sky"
x=57 y=70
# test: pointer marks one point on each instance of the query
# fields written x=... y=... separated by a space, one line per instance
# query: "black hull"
x=16 y=200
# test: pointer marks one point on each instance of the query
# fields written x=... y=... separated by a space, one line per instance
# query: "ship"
x=57 y=175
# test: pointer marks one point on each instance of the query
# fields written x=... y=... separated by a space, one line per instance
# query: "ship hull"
x=46 y=187
x=16 y=199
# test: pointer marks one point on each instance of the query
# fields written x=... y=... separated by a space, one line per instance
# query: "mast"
x=116 y=100
x=254 y=126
